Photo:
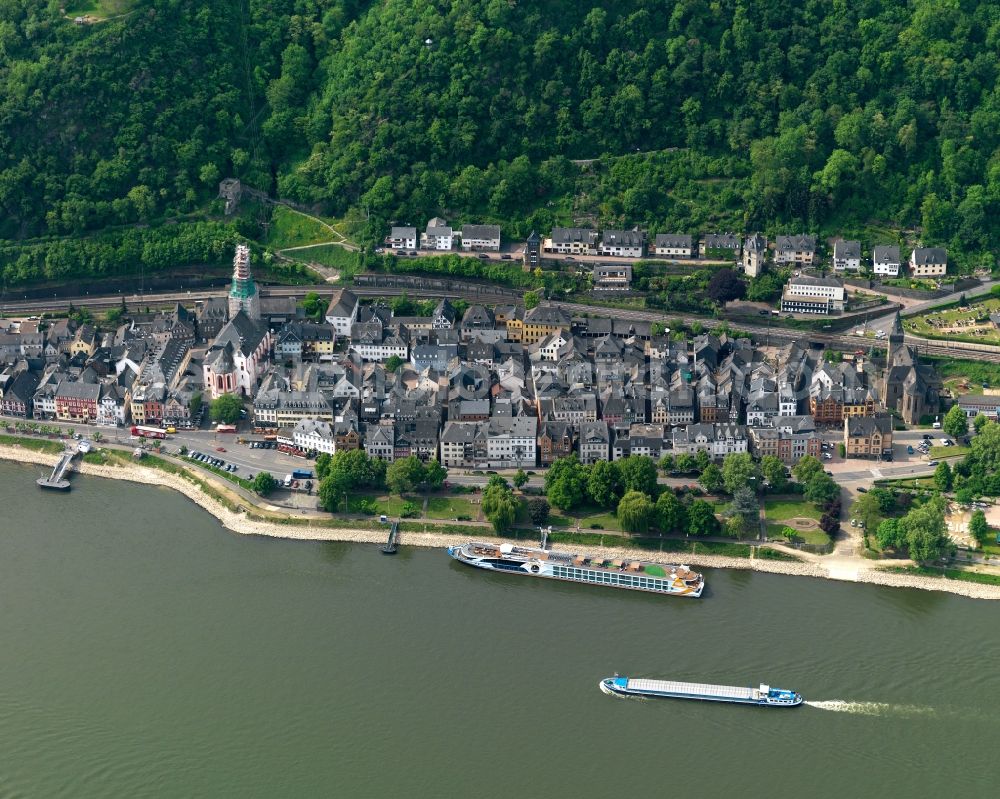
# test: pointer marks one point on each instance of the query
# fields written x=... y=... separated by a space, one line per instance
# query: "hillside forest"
x=872 y=118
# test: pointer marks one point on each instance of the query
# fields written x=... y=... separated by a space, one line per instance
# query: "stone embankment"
x=238 y=522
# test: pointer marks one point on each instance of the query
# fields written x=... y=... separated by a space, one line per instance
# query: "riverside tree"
x=978 y=527
x=701 y=519
x=671 y=513
x=739 y=471
x=635 y=512
x=264 y=483
x=925 y=531
x=499 y=504
x=566 y=483
x=773 y=471
x=604 y=484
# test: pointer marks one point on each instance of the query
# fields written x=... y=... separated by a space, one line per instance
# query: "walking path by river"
x=840 y=566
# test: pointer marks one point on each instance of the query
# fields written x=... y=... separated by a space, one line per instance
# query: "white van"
x=936 y=425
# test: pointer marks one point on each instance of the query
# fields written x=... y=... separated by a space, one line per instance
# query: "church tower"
x=896 y=338
x=243 y=294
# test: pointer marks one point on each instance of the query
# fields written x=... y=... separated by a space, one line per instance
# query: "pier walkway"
x=392 y=545
x=56 y=480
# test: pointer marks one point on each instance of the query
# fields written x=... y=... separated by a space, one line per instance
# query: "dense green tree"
x=313 y=306
x=711 y=479
x=434 y=475
x=499 y=505
x=821 y=489
x=743 y=512
x=393 y=362
x=483 y=121
x=978 y=527
x=685 y=463
x=868 y=509
x=635 y=511
x=604 y=484
x=404 y=475
x=739 y=470
x=323 y=461
x=925 y=531
x=538 y=510
x=671 y=514
x=981 y=420
x=942 y=476
x=226 y=408
x=264 y=483
x=701 y=519
x=773 y=471
x=956 y=423
x=889 y=534
x=566 y=483
x=520 y=479
x=807 y=466
x=638 y=473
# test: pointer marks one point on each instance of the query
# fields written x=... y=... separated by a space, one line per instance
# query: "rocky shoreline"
x=238 y=522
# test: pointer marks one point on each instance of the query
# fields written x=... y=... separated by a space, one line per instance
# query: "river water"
x=146 y=651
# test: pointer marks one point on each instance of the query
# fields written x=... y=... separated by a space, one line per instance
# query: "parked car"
x=932 y=463
x=862 y=490
x=504 y=257
x=927 y=436
x=827 y=456
x=909 y=450
x=220 y=449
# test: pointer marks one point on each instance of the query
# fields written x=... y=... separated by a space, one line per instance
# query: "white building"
x=929 y=261
x=846 y=256
x=438 y=236
x=673 y=245
x=390 y=346
x=885 y=260
x=754 y=251
x=800 y=249
x=314 y=435
x=342 y=311
x=813 y=295
x=481 y=237
x=623 y=243
x=511 y=442
x=402 y=238
x=571 y=241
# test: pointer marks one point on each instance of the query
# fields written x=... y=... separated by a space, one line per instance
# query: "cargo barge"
x=764 y=695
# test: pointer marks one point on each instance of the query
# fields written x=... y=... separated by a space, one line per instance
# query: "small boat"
x=764 y=695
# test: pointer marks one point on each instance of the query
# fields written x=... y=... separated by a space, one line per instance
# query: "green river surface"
x=146 y=651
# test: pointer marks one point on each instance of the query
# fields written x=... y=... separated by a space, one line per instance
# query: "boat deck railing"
x=647 y=568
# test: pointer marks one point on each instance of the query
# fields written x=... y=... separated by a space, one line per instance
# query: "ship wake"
x=871 y=708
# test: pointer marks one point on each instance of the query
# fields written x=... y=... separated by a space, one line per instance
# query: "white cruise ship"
x=637 y=575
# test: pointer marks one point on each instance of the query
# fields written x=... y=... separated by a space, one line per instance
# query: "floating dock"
x=56 y=481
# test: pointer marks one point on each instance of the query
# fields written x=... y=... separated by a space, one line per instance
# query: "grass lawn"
x=331 y=255
x=816 y=536
x=961 y=324
x=949 y=452
x=967 y=376
x=779 y=510
x=101 y=9
x=607 y=520
x=292 y=229
x=451 y=507
x=389 y=505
